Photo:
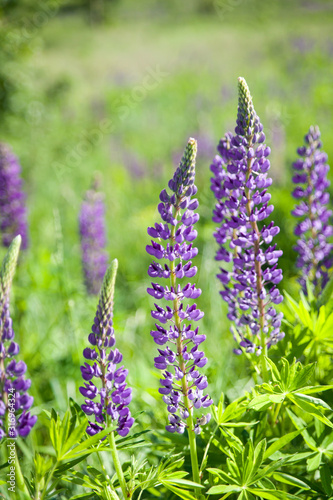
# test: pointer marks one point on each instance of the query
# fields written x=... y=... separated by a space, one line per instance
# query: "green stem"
x=117 y=465
x=276 y=413
x=207 y=449
x=103 y=469
x=49 y=477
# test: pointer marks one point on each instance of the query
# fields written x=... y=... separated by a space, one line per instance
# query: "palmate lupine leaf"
x=321 y=443
x=289 y=387
x=248 y=476
x=224 y=416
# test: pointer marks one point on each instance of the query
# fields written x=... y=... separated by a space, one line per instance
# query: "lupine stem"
x=189 y=420
x=117 y=464
x=258 y=275
x=276 y=413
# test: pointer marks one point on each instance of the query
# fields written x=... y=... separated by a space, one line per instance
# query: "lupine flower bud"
x=240 y=185
x=93 y=240
x=315 y=253
x=13 y=385
x=179 y=354
x=13 y=217
x=111 y=400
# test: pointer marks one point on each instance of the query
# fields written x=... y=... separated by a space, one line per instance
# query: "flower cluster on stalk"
x=250 y=274
x=179 y=341
x=13 y=216
x=108 y=403
x=315 y=253
x=15 y=419
x=93 y=239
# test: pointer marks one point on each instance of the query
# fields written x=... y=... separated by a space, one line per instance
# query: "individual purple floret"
x=315 y=256
x=13 y=216
x=251 y=274
x=93 y=240
x=109 y=403
x=179 y=342
x=15 y=419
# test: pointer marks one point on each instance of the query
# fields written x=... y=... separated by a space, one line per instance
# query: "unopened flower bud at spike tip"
x=107 y=290
x=111 y=399
x=9 y=265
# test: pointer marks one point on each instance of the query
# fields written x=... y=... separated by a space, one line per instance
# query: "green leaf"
x=259 y=453
x=223 y=476
x=184 y=494
x=326 y=480
x=74 y=438
x=309 y=407
x=86 y=445
x=260 y=403
x=319 y=404
x=314 y=462
x=223 y=488
x=277 y=398
x=326 y=293
x=274 y=369
x=281 y=442
x=287 y=479
x=303 y=375
x=301 y=425
x=315 y=389
x=273 y=494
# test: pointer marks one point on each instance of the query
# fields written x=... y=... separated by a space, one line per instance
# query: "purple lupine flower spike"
x=93 y=239
x=315 y=253
x=179 y=342
x=110 y=401
x=14 y=398
x=240 y=184
x=13 y=216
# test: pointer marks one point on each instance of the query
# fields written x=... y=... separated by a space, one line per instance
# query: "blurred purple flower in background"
x=240 y=185
x=93 y=239
x=13 y=216
x=315 y=253
x=179 y=354
x=114 y=396
x=14 y=398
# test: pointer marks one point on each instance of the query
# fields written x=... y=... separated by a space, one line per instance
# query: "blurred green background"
x=118 y=87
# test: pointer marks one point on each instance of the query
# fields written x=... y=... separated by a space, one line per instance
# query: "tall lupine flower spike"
x=240 y=185
x=13 y=216
x=315 y=253
x=13 y=385
x=93 y=239
x=179 y=342
x=108 y=403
